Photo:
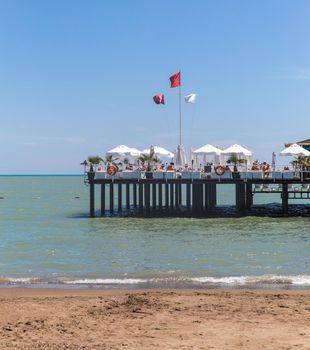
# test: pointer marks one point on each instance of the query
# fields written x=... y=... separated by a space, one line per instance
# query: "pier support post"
x=240 y=198
x=120 y=198
x=200 y=198
x=111 y=197
x=207 y=196
x=147 y=196
x=102 y=199
x=134 y=194
x=180 y=194
x=176 y=197
x=212 y=196
x=194 y=198
x=197 y=198
x=249 y=196
x=188 y=197
x=141 y=197
x=167 y=196
x=171 y=195
x=160 y=197
x=127 y=196
x=284 y=199
x=154 y=196
x=92 y=199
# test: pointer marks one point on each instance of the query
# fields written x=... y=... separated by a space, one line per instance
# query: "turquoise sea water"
x=46 y=237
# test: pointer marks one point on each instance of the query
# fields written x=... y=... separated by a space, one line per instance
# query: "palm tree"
x=94 y=160
x=303 y=163
x=233 y=159
x=149 y=159
x=110 y=159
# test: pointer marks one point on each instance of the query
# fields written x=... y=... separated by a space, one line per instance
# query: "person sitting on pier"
x=200 y=168
x=129 y=167
x=171 y=167
x=256 y=165
x=188 y=167
x=266 y=170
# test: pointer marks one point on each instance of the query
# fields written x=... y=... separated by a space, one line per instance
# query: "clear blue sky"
x=77 y=77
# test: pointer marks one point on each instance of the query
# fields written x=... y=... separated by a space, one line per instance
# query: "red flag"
x=159 y=99
x=175 y=80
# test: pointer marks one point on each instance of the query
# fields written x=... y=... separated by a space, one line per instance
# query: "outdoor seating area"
x=196 y=174
x=206 y=162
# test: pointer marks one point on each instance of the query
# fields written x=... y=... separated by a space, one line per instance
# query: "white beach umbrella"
x=210 y=150
x=134 y=152
x=120 y=150
x=180 y=158
x=123 y=151
x=207 y=150
x=295 y=150
x=159 y=152
x=237 y=149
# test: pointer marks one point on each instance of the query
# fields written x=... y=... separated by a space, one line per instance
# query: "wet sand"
x=154 y=319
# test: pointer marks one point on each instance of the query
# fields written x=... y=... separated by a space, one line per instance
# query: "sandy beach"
x=152 y=319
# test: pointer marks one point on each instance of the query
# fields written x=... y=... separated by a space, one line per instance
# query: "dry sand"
x=154 y=319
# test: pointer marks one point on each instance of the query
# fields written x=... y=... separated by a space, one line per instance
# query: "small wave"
x=108 y=281
x=19 y=280
x=172 y=281
x=300 y=280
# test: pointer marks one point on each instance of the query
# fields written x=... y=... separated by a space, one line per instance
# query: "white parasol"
x=295 y=150
x=180 y=158
x=120 y=150
x=123 y=151
x=159 y=152
x=237 y=149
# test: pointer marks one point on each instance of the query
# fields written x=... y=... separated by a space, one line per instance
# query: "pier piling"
x=127 y=195
x=102 y=199
x=92 y=200
x=285 y=199
x=240 y=198
x=111 y=197
x=140 y=197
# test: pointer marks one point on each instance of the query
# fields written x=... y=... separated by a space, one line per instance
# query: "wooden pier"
x=190 y=197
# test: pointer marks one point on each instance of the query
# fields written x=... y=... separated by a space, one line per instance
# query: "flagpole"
x=180 y=111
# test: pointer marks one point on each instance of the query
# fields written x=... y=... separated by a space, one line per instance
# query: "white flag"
x=191 y=98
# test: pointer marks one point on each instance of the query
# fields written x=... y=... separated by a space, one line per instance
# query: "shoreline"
x=154 y=318
x=163 y=288
x=165 y=282
x=20 y=291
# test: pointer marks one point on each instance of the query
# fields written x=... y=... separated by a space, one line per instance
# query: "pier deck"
x=195 y=197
